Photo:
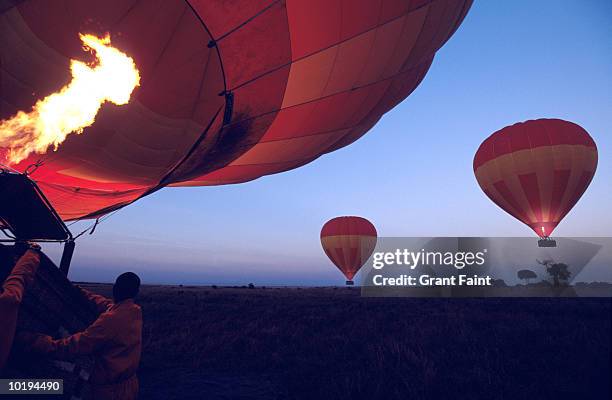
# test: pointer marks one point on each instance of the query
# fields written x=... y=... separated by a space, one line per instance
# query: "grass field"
x=330 y=343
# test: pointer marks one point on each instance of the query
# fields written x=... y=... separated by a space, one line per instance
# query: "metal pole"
x=67 y=256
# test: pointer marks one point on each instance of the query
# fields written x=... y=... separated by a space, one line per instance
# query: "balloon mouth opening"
x=543 y=229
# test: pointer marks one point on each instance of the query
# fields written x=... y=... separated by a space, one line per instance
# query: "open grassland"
x=330 y=343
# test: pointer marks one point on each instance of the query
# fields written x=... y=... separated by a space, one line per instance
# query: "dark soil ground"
x=330 y=343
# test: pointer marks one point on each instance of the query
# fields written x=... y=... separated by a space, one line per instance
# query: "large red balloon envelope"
x=230 y=90
x=348 y=242
x=537 y=170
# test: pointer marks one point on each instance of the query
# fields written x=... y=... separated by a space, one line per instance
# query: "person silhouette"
x=114 y=340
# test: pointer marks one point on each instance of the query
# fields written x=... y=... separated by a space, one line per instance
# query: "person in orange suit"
x=13 y=290
x=114 y=340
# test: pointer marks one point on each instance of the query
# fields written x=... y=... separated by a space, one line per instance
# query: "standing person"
x=114 y=340
x=13 y=290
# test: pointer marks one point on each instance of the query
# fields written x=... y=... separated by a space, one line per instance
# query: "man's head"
x=126 y=286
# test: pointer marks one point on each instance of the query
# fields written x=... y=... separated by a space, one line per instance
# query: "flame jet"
x=112 y=78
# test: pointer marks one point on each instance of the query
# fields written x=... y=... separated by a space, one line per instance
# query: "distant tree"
x=251 y=286
x=499 y=283
x=526 y=275
x=558 y=271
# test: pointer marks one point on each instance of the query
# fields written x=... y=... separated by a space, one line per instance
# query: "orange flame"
x=74 y=107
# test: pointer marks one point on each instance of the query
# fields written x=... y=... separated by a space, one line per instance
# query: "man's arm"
x=10 y=299
x=87 y=342
x=101 y=302
x=22 y=275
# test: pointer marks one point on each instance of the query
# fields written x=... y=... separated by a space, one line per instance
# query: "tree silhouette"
x=526 y=274
x=558 y=271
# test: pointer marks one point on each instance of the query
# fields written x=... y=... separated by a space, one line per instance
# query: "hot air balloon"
x=348 y=242
x=229 y=91
x=537 y=171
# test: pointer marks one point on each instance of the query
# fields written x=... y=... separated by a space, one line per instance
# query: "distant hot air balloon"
x=348 y=242
x=229 y=91
x=537 y=170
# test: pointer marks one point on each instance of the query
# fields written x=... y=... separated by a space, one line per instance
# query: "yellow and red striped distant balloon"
x=348 y=242
x=537 y=170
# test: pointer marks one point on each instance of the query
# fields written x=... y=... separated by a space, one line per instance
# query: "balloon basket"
x=547 y=242
x=350 y=283
x=52 y=306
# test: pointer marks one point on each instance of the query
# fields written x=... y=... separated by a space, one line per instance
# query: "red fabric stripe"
x=520 y=214
x=583 y=183
x=347 y=259
x=561 y=180
x=354 y=262
x=529 y=183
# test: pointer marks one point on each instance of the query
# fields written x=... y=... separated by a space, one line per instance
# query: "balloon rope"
x=278 y=67
x=214 y=42
x=8 y=168
x=163 y=182
x=92 y=228
x=390 y=77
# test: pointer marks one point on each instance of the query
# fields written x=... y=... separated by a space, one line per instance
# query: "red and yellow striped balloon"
x=537 y=170
x=348 y=242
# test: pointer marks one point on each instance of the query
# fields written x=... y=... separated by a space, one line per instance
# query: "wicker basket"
x=52 y=305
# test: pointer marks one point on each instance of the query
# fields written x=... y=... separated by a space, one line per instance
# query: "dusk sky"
x=411 y=175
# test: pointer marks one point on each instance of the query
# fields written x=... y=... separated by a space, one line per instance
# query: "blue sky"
x=411 y=175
